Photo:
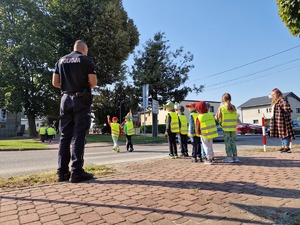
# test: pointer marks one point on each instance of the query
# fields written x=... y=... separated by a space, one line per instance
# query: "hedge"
x=161 y=129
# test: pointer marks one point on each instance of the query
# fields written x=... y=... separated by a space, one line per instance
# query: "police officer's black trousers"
x=196 y=147
x=172 y=143
x=74 y=123
x=128 y=142
x=183 y=143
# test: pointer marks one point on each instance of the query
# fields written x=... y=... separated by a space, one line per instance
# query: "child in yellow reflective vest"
x=116 y=132
x=228 y=119
x=196 y=153
x=183 y=128
x=128 y=129
x=172 y=129
x=206 y=127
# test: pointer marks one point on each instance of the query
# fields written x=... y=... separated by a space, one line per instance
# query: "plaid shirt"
x=281 y=123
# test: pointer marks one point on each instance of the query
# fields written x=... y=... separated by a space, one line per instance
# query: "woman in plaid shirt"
x=281 y=122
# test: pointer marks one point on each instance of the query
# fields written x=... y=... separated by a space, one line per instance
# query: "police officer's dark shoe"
x=63 y=177
x=78 y=177
x=131 y=149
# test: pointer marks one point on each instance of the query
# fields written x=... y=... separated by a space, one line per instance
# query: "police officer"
x=75 y=75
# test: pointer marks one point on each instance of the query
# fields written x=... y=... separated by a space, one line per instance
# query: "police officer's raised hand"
x=108 y=116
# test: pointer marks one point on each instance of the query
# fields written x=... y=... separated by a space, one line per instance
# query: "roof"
x=200 y=100
x=265 y=100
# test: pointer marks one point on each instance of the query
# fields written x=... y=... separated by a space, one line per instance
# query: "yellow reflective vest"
x=43 y=130
x=174 y=122
x=208 y=126
x=194 y=115
x=130 y=129
x=229 y=119
x=183 y=124
x=51 y=131
x=115 y=129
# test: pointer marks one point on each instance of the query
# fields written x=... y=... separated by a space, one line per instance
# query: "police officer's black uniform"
x=75 y=111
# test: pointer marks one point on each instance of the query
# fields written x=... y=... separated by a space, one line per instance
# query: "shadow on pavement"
x=229 y=187
x=113 y=206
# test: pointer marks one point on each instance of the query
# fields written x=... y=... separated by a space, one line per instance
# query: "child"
x=172 y=128
x=129 y=131
x=202 y=149
x=192 y=133
x=228 y=119
x=116 y=132
x=206 y=126
x=183 y=127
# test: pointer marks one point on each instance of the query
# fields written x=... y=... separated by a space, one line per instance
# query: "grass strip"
x=136 y=139
x=48 y=177
x=21 y=144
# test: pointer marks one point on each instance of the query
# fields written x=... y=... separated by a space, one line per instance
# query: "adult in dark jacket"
x=281 y=122
x=75 y=76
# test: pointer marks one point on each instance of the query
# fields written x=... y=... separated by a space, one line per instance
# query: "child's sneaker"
x=118 y=149
x=208 y=162
x=114 y=148
x=171 y=156
x=194 y=159
x=228 y=160
x=235 y=159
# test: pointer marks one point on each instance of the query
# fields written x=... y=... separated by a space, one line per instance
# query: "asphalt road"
x=24 y=162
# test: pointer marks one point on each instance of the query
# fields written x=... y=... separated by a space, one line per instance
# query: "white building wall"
x=250 y=115
x=295 y=106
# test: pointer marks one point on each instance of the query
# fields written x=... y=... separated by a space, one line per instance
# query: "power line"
x=251 y=74
x=255 y=78
x=247 y=64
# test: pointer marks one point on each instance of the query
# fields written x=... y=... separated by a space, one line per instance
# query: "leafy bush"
x=161 y=129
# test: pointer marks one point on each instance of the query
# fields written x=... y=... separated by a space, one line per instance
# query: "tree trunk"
x=154 y=125
x=154 y=119
x=31 y=122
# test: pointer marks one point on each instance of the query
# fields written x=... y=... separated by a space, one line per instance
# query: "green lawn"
x=136 y=139
x=26 y=143
x=21 y=144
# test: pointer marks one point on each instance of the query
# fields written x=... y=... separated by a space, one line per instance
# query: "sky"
x=239 y=46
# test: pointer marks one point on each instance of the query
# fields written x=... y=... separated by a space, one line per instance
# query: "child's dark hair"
x=226 y=97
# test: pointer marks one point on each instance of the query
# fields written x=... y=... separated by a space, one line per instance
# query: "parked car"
x=96 y=129
x=296 y=128
x=248 y=128
x=220 y=133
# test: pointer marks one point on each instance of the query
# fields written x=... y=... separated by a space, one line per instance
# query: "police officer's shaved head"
x=81 y=46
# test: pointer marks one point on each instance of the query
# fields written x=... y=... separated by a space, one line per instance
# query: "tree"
x=34 y=34
x=114 y=102
x=289 y=11
x=165 y=71
x=25 y=58
x=104 y=25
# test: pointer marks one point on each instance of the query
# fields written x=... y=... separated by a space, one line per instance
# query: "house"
x=10 y=124
x=254 y=109
x=146 y=117
x=38 y=122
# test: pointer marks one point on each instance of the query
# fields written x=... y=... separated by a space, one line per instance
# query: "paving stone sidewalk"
x=264 y=188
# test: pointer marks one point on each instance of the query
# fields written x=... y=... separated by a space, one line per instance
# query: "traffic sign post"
x=264 y=133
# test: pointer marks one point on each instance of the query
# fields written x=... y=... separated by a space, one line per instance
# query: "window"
x=211 y=109
x=297 y=110
x=255 y=121
x=258 y=110
x=269 y=110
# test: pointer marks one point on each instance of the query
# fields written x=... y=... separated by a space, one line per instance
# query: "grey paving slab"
x=264 y=188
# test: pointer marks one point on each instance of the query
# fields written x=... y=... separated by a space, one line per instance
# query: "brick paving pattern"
x=264 y=188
